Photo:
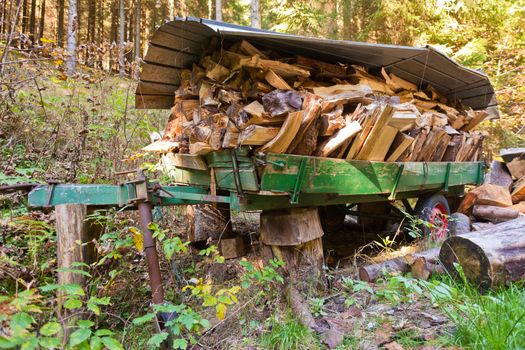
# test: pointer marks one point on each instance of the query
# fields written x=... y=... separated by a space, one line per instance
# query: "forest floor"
x=85 y=129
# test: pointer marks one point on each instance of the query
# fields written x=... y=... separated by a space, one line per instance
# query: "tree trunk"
x=218 y=10
x=488 y=258
x=25 y=17
x=72 y=29
x=122 y=19
x=100 y=24
x=42 y=20
x=32 y=22
x=92 y=8
x=255 y=14
x=137 y=38
x=60 y=23
x=295 y=238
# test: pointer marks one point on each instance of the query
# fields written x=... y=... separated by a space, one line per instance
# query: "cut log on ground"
x=499 y=175
x=402 y=264
x=494 y=214
x=488 y=258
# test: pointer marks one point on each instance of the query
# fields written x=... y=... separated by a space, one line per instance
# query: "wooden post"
x=72 y=228
x=295 y=237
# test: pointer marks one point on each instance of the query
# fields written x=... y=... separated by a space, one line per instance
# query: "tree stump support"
x=294 y=236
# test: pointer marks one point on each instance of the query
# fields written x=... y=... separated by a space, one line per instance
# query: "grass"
x=288 y=334
x=495 y=320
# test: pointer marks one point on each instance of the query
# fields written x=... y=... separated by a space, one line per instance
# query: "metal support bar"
x=152 y=258
x=299 y=181
x=447 y=177
x=396 y=182
x=236 y=175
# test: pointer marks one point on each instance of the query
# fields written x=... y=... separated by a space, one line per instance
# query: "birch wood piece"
x=489 y=258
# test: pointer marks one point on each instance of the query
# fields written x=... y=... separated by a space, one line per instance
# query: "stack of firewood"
x=244 y=96
x=502 y=196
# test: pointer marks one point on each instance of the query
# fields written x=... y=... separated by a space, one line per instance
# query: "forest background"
x=488 y=35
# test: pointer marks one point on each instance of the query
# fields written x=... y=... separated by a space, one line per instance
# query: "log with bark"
x=489 y=258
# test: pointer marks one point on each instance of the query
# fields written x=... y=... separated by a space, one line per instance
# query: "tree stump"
x=295 y=238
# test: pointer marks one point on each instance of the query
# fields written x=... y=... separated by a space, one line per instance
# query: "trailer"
x=282 y=183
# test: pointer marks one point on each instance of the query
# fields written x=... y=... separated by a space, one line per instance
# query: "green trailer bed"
x=273 y=181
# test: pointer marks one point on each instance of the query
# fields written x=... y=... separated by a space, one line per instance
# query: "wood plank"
x=176 y=42
x=187 y=161
x=160 y=74
x=168 y=57
x=153 y=101
x=161 y=146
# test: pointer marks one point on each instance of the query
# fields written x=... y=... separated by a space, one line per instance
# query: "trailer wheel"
x=332 y=217
x=434 y=210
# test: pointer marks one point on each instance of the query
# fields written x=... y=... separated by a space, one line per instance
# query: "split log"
x=286 y=134
x=312 y=108
x=517 y=168
x=200 y=148
x=340 y=137
x=276 y=81
x=283 y=69
x=376 y=133
x=486 y=194
x=518 y=191
x=72 y=232
x=322 y=69
x=248 y=49
x=399 y=146
x=494 y=214
x=519 y=207
x=255 y=135
x=308 y=143
x=489 y=258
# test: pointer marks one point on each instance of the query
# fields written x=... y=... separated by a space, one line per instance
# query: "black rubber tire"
x=332 y=217
x=424 y=208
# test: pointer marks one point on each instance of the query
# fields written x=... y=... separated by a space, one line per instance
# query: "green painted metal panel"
x=338 y=176
x=116 y=195
x=190 y=176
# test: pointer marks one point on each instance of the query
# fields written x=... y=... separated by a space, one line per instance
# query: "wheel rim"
x=438 y=222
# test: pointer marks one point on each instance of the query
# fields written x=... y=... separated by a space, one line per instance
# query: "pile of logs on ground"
x=502 y=197
x=244 y=95
x=489 y=258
